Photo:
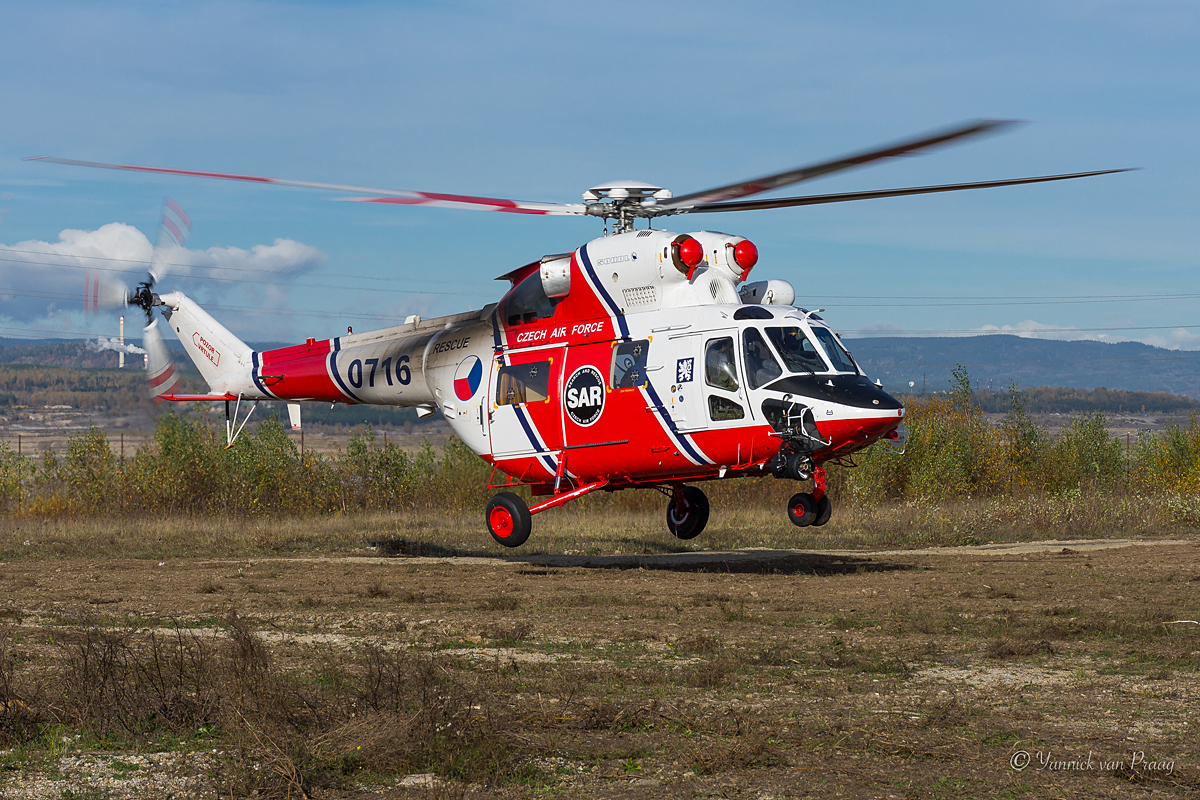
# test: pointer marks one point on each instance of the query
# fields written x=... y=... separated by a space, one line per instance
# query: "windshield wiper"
x=811 y=371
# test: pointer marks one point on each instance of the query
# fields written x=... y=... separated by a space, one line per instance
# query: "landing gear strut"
x=687 y=512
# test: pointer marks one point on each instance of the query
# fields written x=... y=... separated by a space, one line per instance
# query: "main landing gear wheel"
x=824 y=511
x=687 y=513
x=802 y=510
x=508 y=519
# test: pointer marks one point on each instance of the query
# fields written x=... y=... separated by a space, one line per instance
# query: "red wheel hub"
x=501 y=522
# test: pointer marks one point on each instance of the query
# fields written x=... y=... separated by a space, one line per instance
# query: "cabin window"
x=720 y=366
x=838 y=355
x=799 y=354
x=528 y=302
x=761 y=366
x=629 y=364
x=720 y=409
x=523 y=383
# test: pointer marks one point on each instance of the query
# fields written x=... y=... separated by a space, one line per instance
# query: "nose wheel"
x=804 y=510
x=687 y=512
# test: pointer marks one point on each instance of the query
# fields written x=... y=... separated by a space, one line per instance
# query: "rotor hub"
x=624 y=201
x=145 y=299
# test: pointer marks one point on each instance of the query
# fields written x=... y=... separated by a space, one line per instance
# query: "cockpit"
x=796 y=343
x=790 y=360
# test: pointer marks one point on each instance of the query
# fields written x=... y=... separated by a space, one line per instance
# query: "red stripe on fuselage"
x=304 y=371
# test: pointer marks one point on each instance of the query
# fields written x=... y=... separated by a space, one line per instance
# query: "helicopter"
x=643 y=359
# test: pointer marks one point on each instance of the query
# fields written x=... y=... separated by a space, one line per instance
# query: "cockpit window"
x=720 y=368
x=841 y=360
x=761 y=366
x=528 y=302
x=799 y=354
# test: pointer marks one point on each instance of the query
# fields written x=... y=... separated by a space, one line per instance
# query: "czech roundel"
x=467 y=378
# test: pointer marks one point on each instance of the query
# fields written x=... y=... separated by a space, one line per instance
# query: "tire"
x=508 y=519
x=824 y=511
x=695 y=515
x=799 y=466
x=802 y=510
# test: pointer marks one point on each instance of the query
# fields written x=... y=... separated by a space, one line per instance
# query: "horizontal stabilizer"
x=195 y=398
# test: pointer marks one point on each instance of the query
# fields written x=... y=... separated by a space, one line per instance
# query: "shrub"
x=952 y=453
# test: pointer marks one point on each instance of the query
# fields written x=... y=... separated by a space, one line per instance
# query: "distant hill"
x=996 y=361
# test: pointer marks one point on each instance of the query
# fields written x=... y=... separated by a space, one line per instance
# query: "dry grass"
x=917 y=682
x=600 y=531
x=380 y=711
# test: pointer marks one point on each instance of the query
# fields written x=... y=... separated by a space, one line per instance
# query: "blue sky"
x=539 y=101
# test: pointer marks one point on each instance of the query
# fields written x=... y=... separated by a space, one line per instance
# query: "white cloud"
x=1029 y=329
x=1178 y=339
x=284 y=257
x=42 y=284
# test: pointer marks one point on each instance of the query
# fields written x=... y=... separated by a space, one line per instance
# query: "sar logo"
x=467 y=378
x=584 y=396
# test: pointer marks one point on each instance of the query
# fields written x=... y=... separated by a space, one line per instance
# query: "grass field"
x=191 y=621
x=140 y=658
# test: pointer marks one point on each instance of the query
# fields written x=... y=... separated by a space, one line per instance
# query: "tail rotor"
x=102 y=291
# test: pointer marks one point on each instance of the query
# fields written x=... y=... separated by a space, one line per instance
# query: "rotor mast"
x=623 y=202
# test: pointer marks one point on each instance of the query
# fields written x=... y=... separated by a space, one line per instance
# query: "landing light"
x=745 y=255
x=688 y=252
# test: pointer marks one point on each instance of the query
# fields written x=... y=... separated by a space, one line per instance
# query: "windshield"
x=799 y=354
x=841 y=360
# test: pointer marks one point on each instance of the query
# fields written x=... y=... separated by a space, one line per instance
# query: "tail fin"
x=216 y=352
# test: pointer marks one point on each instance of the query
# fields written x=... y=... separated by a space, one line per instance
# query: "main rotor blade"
x=818 y=199
x=475 y=204
x=399 y=196
x=781 y=179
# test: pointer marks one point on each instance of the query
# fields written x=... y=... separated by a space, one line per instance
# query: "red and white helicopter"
x=643 y=359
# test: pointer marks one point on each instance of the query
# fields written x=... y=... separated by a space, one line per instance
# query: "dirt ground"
x=1056 y=669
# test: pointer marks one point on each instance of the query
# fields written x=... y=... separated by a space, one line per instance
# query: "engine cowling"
x=555 y=272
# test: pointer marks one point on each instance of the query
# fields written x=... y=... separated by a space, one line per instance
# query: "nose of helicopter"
x=853 y=434
x=879 y=428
